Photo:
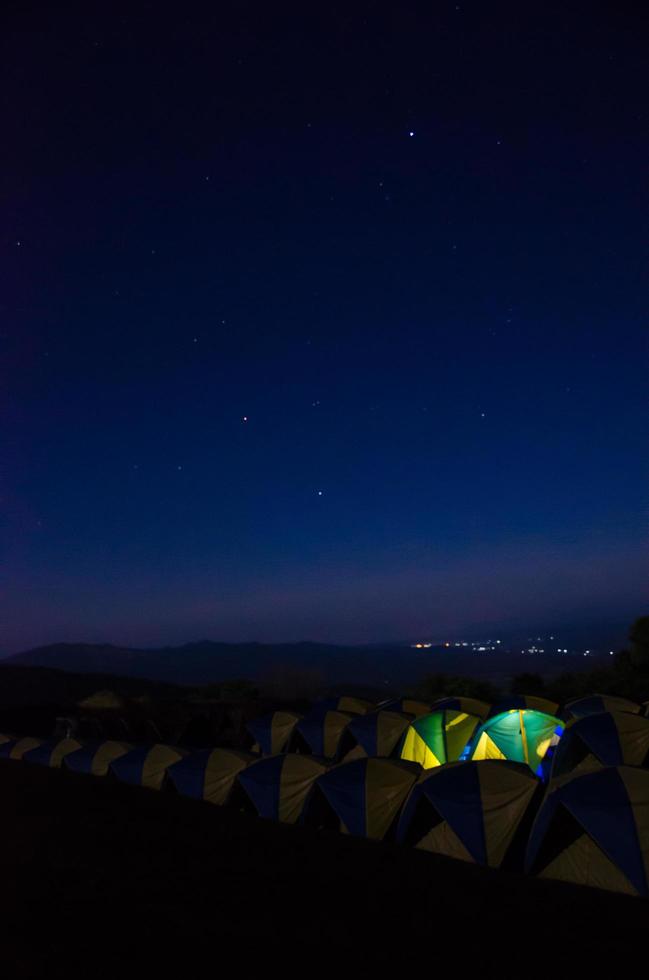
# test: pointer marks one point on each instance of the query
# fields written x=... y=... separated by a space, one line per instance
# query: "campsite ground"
x=105 y=880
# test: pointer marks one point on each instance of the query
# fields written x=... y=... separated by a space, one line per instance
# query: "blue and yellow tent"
x=95 y=759
x=580 y=707
x=520 y=735
x=347 y=703
x=470 y=706
x=474 y=811
x=146 y=766
x=363 y=797
x=52 y=751
x=272 y=732
x=278 y=786
x=320 y=733
x=209 y=774
x=16 y=748
x=439 y=737
x=376 y=735
x=593 y=829
x=605 y=739
x=522 y=702
x=407 y=706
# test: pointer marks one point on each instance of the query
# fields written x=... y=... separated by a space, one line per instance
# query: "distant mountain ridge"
x=207 y=661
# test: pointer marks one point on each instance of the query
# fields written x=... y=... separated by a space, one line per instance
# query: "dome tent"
x=209 y=774
x=520 y=735
x=471 y=706
x=16 y=748
x=407 y=706
x=438 y=737
x=604 y=739
x=593 y=829
x=377 y=735
x=146 y=765
x=593 y=704
x=277 y=787
x=321 y=733
x=363 y=797
x=524 y=702
x=474 y=811
x=272 y=732
x=95 y=759
x=351 y=705
x=52 y=752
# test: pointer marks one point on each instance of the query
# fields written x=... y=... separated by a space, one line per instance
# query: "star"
x=411 y=132
x=320 y=492
x=244 y=418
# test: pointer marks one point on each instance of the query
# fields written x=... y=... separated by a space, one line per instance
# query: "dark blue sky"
x=322 y=324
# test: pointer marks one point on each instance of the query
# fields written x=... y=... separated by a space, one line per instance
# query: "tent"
x=320 y=733
x=377 y=734
x=471 y=706
x=593 y=829
x=352 y=705
x=52 y=751
x=209 y=774
x=523 y=702
x=96 y=759
x=272 y=732
x=406 y=706
x=474 y=811
x=6 y=738
x=363 y=797
x=277 y=787
x=146 y=765
x=605 y=739
x=579 y=707
x=16 y=748
x=438 y=737
x=521 y=735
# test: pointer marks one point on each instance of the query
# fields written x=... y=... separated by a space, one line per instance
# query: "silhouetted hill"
x=390 y=665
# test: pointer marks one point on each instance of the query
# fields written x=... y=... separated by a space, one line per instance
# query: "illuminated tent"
x=209 y=774
x=580 y=707
x=524 y=701
x=605 y=739
x=96 y=759
x=376 y=735
x=272 y=732
x=363 y=797
x=474 y=811
x=52 y=751
x=16 y=748
x=471 y=706
x=593 y=829
x=520 y=735
x=353 y=706
x=438 y=737
x=145 y=766
x=321 y=733
x=277 y=787
x=407 y=706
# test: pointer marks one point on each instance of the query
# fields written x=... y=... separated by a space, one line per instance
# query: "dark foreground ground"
x=103 y=880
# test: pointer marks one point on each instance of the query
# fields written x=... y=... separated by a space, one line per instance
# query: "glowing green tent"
x=521 y=735
x=438 y=737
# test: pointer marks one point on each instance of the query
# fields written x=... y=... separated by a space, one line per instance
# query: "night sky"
x=322 y=321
